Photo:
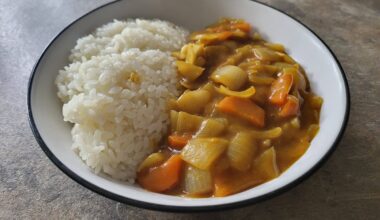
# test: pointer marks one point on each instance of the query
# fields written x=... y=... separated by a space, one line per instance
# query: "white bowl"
x=323 y=69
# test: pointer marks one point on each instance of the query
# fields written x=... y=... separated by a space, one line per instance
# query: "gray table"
x=346 y=187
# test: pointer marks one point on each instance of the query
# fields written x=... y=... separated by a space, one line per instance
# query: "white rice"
x=119 y=36
x=115 y=92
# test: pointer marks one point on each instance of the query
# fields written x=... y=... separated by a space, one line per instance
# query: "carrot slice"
x=163 y=177
x=280 y=89
x=290 y=108
x=178 y=141
x=243 y=108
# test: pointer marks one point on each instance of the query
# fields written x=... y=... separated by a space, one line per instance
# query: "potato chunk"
x=202 y=152
x=266 y=164
x=197 y=181
x=193 y=101
x=212 y=127
x=188 y=123
x=241 y=151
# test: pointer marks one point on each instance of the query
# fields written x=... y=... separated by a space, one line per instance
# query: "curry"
x=247 y=113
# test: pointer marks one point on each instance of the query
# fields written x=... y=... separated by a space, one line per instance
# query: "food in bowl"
x=246 y=115
x=214 y=116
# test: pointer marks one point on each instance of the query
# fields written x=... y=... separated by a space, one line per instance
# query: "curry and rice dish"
x=208 y=114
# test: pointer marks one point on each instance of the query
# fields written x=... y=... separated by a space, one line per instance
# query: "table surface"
x=347 y=186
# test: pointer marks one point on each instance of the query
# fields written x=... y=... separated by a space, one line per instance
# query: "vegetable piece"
x=256 y=36
x=173 y=120
x=280 y=88
x=295 y=123
x=276 y=47
x=188 y=84
x=193 y=101
x=208 y=87
x=212 y=127
x=261 y=80
x=299 y=80
x=287 y=155
x=264 y=134
x=197 y=181
x=235 y=182
x=316 y=102
x=189 y=71
x=243 y=108
x=230 y=25
x=238 y=127
x=258 y=68
x=282 y=65
x=177 y=55
x=188 y=123
x=243 y=26
x=239 y=55
x=268 y=134
x=183 y=52
x=209 y=38
x=233 y=59
x=291 y=107
x=215 y=53
x=178 y=141
x=266 y=54
x=312 y=131
x=239 y=34
x=202 y=152
x=287 y=58
x=193 y=52
x=164 y=177
x=245 y=50
x=266 y=165
x=261 y=95
x=230 y=44
x=152 y=160
x=243 y=94
x=171 y=104
x=241 y=151
x=231 y=76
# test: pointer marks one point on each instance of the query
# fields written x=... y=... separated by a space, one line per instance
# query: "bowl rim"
x=167 y=208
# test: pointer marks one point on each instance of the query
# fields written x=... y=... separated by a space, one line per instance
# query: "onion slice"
x=242 y=94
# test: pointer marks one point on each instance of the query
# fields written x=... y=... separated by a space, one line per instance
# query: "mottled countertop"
x=346 y=187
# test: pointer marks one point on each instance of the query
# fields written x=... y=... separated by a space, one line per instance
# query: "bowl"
x=322 y=67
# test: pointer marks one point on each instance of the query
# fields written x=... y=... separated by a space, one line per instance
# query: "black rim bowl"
x=167 y=208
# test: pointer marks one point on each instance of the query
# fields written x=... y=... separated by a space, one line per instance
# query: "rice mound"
x=118 y=36
x=115 y=92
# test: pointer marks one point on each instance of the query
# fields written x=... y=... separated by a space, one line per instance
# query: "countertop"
x=346 y=187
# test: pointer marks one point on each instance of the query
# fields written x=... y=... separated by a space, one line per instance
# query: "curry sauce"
x=247 y=113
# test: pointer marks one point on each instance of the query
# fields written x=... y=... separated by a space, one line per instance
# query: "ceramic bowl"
x=323 y=70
